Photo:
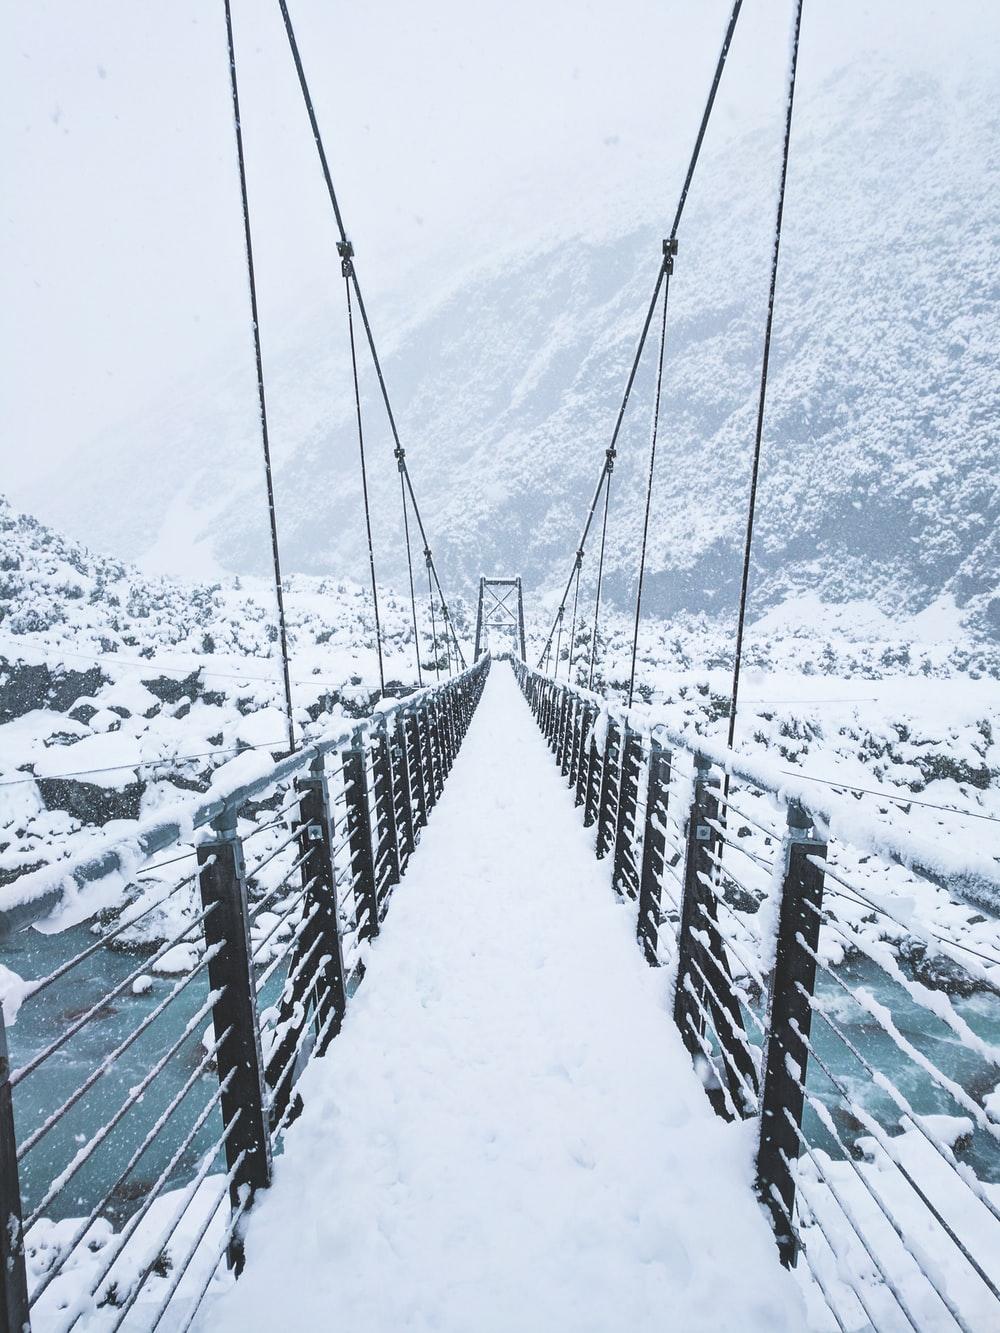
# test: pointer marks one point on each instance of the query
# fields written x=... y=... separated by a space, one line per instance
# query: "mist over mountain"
x=879 y=478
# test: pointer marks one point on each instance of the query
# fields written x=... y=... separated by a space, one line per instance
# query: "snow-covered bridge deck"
x=508 y=1133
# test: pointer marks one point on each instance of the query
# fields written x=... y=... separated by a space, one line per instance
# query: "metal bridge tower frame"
x=498 y=613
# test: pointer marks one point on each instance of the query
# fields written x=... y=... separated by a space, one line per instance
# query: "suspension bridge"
x=506 y=1006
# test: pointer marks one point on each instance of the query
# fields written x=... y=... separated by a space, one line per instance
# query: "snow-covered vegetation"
x=120 y=692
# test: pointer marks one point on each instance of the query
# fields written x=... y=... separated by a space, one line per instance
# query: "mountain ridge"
x=879 y=470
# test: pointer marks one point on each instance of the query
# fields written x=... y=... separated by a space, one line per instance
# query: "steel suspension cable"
x=649 y=493
x=261 y=396
x=666 y=267
x=765 y=360
x=347 y=266
x=362 y=309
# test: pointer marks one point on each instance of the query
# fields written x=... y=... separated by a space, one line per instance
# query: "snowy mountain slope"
x=880 y=467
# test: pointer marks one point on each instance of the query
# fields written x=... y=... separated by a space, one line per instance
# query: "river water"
x=50 y=1012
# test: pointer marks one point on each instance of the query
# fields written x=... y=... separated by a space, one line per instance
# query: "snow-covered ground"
x=121 y=694
x=508 y=1132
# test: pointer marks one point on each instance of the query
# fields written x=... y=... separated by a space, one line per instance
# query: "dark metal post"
x=625 y=877
x=405 y=785
x=14 y=1311
x=385 y=808
x=609 y=790
x=555 y=703
x=315 y=813
x=426 y=755
x=222 y=877
x=562 y=734
x=573 y=749
x=415 y=760
x=704 y=984
x=520 y=618
x=654 y=851
x=448 y=728
x=359 y=827
x=789 y=1019
x=479 y=619
x=569 y=734
x=594 y=770
x=701 y=841
x=321 y=987
x=434 y=748
x=588 y=718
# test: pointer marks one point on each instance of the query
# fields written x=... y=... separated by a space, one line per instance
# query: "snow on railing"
x=878 y=1129
x=114 y=1194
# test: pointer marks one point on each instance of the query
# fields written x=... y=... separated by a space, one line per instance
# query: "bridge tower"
x=501 y=609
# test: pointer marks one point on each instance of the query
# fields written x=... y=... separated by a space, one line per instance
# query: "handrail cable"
x=666 y=267
x=400 y=453
x=261 y=396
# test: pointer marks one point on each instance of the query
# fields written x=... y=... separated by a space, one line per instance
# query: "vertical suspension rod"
x=765 y=360
x=348 y=268
x=261 y=396
x=649 y=493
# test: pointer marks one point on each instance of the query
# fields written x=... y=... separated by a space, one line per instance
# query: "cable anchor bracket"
x=669 y=250
x=346 y=251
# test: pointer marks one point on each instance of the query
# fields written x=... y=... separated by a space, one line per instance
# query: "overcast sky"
x=453 y=128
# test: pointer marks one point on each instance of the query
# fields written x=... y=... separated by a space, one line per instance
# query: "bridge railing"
x=862 y=1038
x=149 y=1093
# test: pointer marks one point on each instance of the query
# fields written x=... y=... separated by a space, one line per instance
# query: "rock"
x=90 y=803
x=25 y=686
x=170 y=690
x=938 y=971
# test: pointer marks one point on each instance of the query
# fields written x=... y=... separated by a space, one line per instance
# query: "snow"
x=508 y=1133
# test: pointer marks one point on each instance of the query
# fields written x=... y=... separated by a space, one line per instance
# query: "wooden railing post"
x=654 y=851
x=359 y=829
x=789 y=1019
x=222 y=876
x=14 y=1311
